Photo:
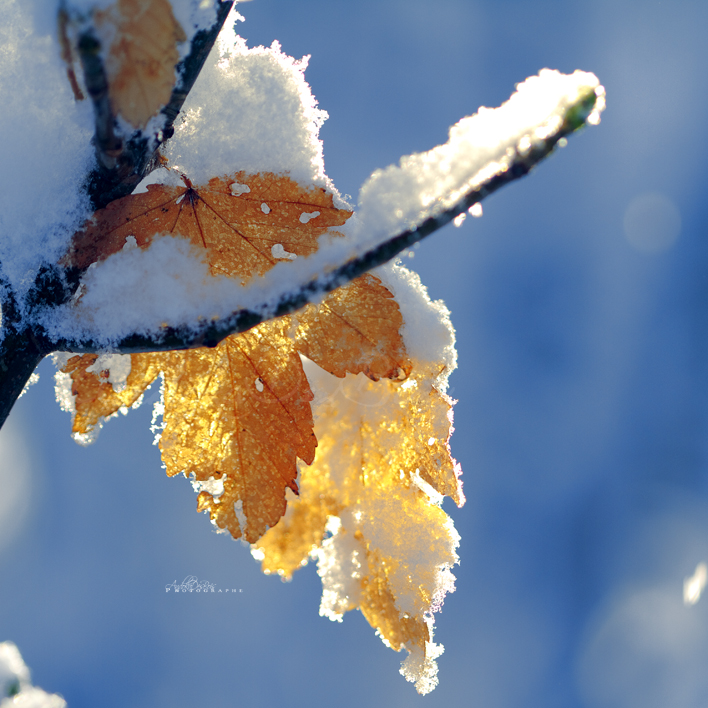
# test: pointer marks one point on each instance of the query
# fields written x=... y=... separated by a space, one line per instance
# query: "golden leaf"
x=374 y=446
x=240 y=413
x=95 y=396
x=141 y=58
x=240 y=221
x=237 y=414
x=355 y=329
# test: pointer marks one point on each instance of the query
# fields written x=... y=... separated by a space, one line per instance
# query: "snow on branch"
x=398 y=207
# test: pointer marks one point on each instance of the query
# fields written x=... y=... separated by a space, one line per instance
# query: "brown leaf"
x=141 y=58
x=239 y=413
x=240 y=230
x=378 y=445
x=95 y=397
x=356 y=328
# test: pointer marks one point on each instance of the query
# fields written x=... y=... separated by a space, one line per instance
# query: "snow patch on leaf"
x=427 y=329
x=131 y=291
x=251 y=109
x=114 y=368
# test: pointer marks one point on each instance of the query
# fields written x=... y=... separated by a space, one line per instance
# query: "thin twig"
x=211 y=332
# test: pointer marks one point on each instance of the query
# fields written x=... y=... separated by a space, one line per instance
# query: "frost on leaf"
x=392 y=546
x=374 y=460
x=233 y=229
x=141 y=49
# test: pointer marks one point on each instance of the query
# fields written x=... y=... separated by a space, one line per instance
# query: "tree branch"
x=211 y=332
x=122 y=164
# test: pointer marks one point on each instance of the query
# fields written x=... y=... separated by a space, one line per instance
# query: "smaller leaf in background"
x=142 y=39
x=355 y=329
x=102 y=385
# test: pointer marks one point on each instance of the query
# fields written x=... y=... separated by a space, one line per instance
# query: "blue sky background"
x=582 y=422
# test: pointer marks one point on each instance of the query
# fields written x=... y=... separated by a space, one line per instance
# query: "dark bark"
x=19 y=356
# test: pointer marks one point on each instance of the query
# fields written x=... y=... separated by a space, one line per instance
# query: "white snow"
x=251 y=110
x=427 y=329
x=46 y=145
x=341 y=563
x=15 y=686
x=421 y=668
x=213 y=486
x=240 y=515
x=238 y=189
x=118 y=367
x=140 y=290
x=402 y=196
x=305 y=217
x=31 y=381
x=279 y=251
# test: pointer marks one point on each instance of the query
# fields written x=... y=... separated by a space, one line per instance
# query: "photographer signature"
x=191 y=584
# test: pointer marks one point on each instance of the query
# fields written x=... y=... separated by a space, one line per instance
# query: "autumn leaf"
x=96 y=396
x=355 y=329
x=240 y=414
x=368 y=514
x=237 y=417
x=142 y=38
x=246 y=223
x=374 y=461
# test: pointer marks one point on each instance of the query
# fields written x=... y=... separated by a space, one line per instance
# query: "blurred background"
x=579 y=300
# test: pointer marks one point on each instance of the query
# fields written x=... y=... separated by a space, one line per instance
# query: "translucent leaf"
x=142 y=38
